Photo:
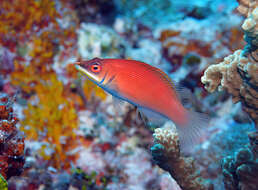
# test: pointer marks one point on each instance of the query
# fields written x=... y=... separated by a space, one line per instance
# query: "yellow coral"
x=90 y=89
x=19 y=17
x=52 y=118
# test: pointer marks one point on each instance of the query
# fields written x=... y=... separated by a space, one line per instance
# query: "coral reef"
x=52 y=121
x=96 y=41
x=249 y=8
x=166 y=153
x=146 y=9
x=76 y=179
x=238 y=75
x=221 y=143
x=240 y=171
x=75 y=137
x=238 y=72
x=87 y=9
x=20 y=20
x=11 y=141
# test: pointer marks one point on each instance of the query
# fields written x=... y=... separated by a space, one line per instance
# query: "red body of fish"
x=148 y=88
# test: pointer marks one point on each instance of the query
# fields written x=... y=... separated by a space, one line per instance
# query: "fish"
x=149 y=89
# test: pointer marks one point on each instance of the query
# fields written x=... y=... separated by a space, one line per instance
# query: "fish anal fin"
x=153 y=117
x=184 y=95
x=118 y=105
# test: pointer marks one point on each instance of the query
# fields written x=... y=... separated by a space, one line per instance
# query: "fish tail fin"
x=191 y=131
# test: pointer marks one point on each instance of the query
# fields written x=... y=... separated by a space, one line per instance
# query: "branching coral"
x=166 y=153
x=238 y=72
x=11 y=141
x=241 y=170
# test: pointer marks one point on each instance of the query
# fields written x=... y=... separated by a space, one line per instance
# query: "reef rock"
x=238 y=72
x=240 y=171
x=11 y=141
x=238 y=75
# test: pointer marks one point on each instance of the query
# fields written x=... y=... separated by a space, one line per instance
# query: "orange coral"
x=27 y=77
x=19 y=18
x=52 y=117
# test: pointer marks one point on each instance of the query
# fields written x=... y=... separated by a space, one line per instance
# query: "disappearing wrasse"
x=148 y=88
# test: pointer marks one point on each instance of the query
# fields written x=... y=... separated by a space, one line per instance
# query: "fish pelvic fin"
x=190 y=133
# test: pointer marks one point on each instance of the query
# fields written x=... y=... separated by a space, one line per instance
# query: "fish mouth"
x=86 y=73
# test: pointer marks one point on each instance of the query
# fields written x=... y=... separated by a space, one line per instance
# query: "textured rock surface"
x=240 y=171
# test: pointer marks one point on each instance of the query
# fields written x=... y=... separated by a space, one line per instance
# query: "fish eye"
x=95 y=68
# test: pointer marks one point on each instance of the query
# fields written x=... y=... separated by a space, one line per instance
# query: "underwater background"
x=58 y=130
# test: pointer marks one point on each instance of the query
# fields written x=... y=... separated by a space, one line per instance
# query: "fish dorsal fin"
x=166 y=78
x=163 y=75
x=182 y=93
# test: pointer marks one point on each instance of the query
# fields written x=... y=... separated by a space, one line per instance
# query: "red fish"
x=148 y=88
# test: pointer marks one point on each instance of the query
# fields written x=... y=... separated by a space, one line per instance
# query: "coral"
x=166 y=153
x=204 y=38
x=96 y=41
x=91 y=90
x=238 y=75
x=250 y=26
x=240 y=171
x=6 y=61
x=101 y=11
x=11 y=141
x=238 y=72
x=20 y=18
x=28 y=77
x=246 y=6
x=82 y=180
x=52 y=118
x=226 y=137
x=145 y=10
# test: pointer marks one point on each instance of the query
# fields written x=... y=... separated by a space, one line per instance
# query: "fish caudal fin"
x=191 y=132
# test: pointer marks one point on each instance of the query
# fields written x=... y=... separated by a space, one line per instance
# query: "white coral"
x=168 y=137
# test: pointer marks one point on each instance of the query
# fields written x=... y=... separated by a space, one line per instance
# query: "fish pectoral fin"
x=152 y=117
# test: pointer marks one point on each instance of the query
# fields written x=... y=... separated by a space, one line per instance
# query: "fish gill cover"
x=76 y=137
